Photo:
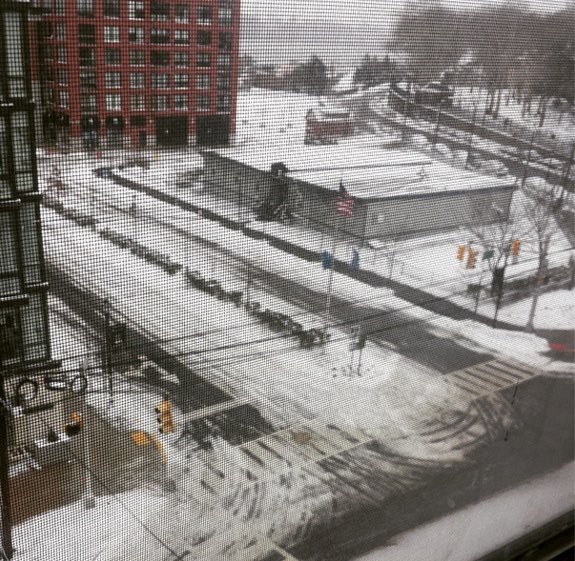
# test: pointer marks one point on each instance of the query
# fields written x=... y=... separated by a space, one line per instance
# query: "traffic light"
x=515 y=247
x=75 y=425
x=460 y=252
x=165 y=417
x=471 y=258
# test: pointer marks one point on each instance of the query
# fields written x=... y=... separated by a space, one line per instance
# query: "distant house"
x=326 y=124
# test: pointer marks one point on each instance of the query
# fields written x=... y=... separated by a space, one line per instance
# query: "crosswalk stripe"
x=516 y=368
x=464 y=384
x=486 y=379
x=511 y=380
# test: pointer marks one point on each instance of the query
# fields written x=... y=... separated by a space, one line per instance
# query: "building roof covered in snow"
x=368 y=171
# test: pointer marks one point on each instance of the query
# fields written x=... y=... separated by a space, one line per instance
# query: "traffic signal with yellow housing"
x=515 y=247
x=460 y=252
x=165 y=417
x=471 y=258
x=75 y=425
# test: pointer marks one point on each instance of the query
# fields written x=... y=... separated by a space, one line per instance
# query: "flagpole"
x=330 y=281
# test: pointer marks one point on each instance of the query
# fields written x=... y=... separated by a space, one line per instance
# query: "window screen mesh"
x=286 y=280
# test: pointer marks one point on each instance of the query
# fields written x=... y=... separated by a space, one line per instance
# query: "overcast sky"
x=340 y=31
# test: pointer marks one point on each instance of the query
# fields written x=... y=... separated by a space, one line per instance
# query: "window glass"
x=9 y=279
x=30 y=239
x=203 y=60
x=112 y=79
x=111 y=34
x=160 y=102
x=181 y=13
x=112 y=56
x=137 y=80
x=137 y=58
x=138 y=102
x=34 y=332
x=113 y=102
x=87 y=56
x=202 y=81
x=112 y=8
x=85 y=8
x=181 y=58
x=136 y=35
x=204 y=15
x=14 y=54
x=136 y=9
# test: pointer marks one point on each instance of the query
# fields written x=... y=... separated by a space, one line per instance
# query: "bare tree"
x=538 y=210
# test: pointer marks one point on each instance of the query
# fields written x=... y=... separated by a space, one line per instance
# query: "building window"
x=137 y=80
x=138 y=102
x=160 y=103
x=203 y=60
x=181 y=58
x=60 y=7
x=225 y=3
x=61 y=31
x=86 y=34
x=159 y=11
x=87 y=79
x=224 y=61
x=87 y=56
x=113 y=102
x=64 y=100
x=181 y=81
x=202 y=81
x=204 y=38
x=159 y=58
x=181 y=13
x=112 y=57
x=61 y=54
x=29 y=221
x=112 y=8
x=21 y=142
x=88 y=102
x=136 y=9
x=112 y=79
x=204 y=15
x=181 y=37
x=85 y=8
x=159 y=36
x=223 y=81
x=13 y=47
x=62 y=77
x=9 y=279
x=136 y=34
x=137 y=58
x=225 y=41
x=223 y=104
x=203 y=103
x=111 y=34
x=225 y=17
x=181 y=102
x=160 y=81
x=34 y=336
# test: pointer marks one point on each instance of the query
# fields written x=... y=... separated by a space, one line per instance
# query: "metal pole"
x=471 y=137
x=330 y=282
x=4 y=472
x=528 y=159
x=437 y=122
x=108 y=349
x=359 y=361
x=500 y=291
x=89 y=499
x=478 y=290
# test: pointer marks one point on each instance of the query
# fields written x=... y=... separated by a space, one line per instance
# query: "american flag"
x=344 y=201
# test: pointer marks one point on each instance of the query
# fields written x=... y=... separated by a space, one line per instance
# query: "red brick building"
x=137 y=72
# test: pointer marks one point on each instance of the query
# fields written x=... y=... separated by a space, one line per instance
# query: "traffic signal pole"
x=108 y=350
x=6 y=515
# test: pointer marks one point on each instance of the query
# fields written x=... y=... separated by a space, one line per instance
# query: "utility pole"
x=6 y=506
